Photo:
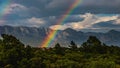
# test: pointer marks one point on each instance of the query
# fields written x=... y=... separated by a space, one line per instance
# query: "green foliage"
x=102 y=63
x=91 y=54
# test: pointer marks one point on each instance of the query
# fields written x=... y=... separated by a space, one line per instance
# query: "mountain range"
x=33 y=36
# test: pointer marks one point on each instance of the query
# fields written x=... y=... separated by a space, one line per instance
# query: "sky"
x=89 y=14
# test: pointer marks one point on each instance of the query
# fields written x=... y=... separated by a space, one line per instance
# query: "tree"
x=73 y=46
x=11 y=42
x=29 y=52
x=92 y=45
x=92 y=40
x=35 y=63
x=12 y=50
x=58 y=49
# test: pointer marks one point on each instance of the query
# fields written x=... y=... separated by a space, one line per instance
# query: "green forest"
x=91 y=54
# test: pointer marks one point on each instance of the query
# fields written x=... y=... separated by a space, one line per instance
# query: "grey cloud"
x=58 y=7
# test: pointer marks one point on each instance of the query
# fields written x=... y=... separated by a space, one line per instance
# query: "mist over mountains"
x=33 y=36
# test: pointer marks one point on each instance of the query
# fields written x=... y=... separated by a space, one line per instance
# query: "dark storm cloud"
x=58 y=7
x=92 y=6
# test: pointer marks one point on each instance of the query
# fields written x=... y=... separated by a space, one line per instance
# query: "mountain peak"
x=69 y=29
x=113 y=31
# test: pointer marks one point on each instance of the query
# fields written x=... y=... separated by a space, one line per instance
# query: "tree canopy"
x=91 y=54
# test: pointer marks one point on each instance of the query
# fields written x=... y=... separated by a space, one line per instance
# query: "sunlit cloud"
x=36 y=20
x=89 y=20
x=12 y=8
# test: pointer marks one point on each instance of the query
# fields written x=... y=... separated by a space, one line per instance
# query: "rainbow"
x=52 y=34
x=3 y=8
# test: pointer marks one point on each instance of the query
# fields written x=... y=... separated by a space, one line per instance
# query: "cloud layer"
x=58 y=7
x=45 y=13
x=88 y=22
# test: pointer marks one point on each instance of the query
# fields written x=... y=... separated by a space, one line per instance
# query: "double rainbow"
x=3 y=8
x=52 y=34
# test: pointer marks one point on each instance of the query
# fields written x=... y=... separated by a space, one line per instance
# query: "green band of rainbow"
x=50 y=37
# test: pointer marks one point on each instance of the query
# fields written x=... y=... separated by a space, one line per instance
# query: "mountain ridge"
x=34 y=35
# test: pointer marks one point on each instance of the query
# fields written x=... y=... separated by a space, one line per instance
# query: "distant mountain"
x=28 y=35
x=33 y=36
